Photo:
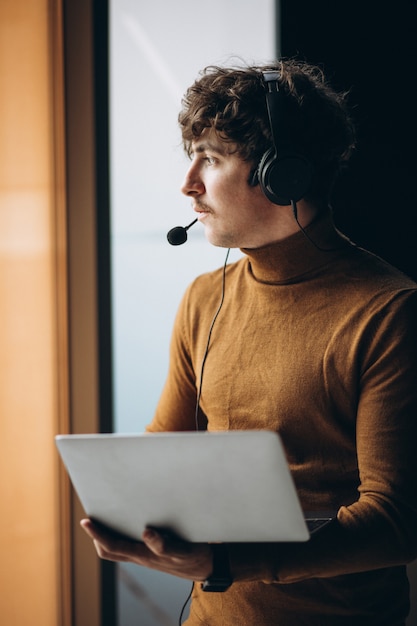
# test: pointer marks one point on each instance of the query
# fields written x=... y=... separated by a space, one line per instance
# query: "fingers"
x=157 y=550
x=162 y=543
x=181 y=558
x=157 y=543
x=154 y=541
x=110 y=546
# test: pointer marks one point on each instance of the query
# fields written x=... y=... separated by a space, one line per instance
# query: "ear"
x=253 y=179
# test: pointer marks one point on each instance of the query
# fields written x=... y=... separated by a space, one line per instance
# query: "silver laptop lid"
x=232 y=486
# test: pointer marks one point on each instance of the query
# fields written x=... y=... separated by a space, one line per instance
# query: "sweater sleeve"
x=177 y=406
x=177 y=403
x=380 y=529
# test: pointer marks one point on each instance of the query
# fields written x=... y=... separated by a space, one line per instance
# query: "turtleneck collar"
x=287 y=260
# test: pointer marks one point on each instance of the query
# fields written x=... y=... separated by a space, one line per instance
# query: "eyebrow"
x=208 y=146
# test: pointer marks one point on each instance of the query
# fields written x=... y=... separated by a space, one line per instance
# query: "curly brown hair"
x=232 y=101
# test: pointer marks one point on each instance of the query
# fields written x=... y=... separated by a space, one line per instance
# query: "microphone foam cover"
x=176 y=236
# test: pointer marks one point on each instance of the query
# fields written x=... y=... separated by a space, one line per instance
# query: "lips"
x=201 y=208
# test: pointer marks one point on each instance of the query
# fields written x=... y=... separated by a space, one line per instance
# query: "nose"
x=192 y=184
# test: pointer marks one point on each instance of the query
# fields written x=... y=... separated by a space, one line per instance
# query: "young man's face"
x=234 y=214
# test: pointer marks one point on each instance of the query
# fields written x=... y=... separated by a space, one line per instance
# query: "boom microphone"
x=178 y=235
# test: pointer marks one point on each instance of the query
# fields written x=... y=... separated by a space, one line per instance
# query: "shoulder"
x=204 y=284
x=375 y=294
x=365 y=272
x=204 y=294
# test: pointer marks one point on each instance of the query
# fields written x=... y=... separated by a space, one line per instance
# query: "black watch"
x=220 y=579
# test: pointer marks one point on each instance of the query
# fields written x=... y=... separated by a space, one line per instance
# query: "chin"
x=221 y=242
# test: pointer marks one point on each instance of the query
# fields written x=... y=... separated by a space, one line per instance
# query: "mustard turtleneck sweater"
x=321 y=346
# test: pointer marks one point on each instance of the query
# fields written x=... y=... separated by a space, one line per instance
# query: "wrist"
x=220 y=579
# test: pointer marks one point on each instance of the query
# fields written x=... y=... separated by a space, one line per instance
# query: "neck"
x=304 y=213
x=288 y=220
x=300 y=253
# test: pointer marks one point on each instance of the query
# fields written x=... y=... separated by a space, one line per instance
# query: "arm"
x=380 y=529
x=177 y=404
x=175 y=411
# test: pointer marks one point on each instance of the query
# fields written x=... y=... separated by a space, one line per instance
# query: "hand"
x=193 y=561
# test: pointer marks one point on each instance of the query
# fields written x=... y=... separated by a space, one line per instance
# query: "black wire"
x=185 y=604
x=208 y=341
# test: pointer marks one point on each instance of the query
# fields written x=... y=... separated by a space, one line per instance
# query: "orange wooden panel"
x=30 y=362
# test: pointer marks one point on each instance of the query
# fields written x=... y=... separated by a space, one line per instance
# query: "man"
x=314 y=338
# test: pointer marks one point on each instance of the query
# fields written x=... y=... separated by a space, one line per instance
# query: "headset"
x=284 y=175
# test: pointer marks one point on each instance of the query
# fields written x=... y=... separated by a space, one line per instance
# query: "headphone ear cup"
x=284 y=179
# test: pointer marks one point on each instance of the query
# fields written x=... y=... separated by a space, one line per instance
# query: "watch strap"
x=220 y=579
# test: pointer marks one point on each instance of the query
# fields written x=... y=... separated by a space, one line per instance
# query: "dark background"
x=369 y=49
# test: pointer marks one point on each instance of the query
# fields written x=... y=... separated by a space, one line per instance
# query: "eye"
x=210 y=160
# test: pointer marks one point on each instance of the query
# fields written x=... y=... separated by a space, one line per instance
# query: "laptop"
x=229 y=486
